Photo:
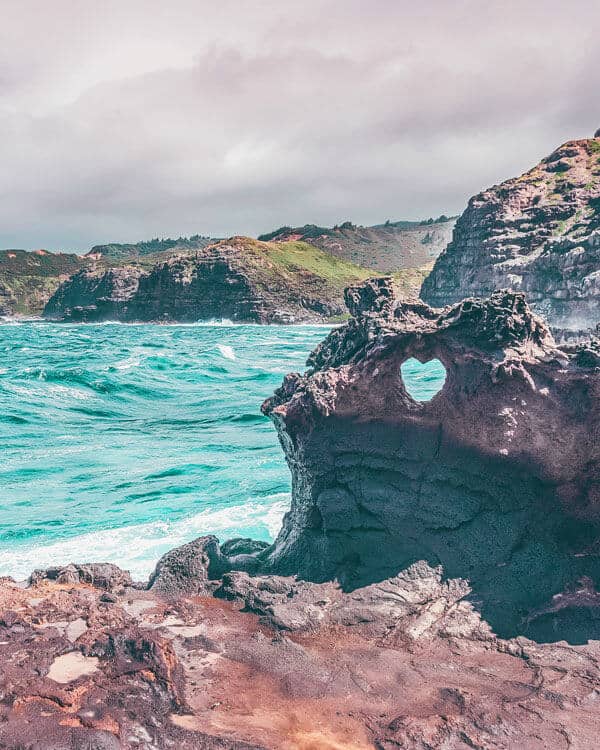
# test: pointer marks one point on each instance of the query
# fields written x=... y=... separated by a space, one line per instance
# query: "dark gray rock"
x=244 y=554
x=374 y=296
x=189 y=570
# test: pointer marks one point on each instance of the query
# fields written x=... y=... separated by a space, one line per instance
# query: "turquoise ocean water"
x=120 y=442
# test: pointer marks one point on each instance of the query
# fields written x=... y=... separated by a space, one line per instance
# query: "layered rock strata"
x=538 y=234
x=496 y=478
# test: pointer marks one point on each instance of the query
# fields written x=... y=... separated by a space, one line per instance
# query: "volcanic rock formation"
x=484 y=500
x=496 y=478
x=538 y=233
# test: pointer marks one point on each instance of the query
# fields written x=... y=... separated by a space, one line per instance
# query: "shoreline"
x=233 y=662
x=225 y=323
x=154 y=537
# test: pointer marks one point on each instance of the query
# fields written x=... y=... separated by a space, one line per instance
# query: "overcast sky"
x=126 y=119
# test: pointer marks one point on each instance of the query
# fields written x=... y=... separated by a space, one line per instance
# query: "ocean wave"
x=8 y=320
x=226 y=351
x=126 y=364
x=120 y=449
x=137 y=548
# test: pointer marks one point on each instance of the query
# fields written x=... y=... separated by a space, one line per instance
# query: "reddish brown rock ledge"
x=273 y=663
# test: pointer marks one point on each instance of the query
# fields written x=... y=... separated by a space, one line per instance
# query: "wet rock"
x=244 y=554
x=242 y=546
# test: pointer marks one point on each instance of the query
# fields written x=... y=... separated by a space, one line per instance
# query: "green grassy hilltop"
x=28 y=279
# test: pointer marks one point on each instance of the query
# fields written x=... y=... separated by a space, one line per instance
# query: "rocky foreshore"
x=434 y=585
x=91 y=660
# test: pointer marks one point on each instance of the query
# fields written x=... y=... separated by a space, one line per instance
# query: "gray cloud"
x=124 y=120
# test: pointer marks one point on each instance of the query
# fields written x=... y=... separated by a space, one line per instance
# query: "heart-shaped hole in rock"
x=423 y=380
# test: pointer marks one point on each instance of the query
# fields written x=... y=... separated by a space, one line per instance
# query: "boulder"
x=189 y=570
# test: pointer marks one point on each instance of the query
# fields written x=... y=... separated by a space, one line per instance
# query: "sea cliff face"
x=496 y=478
x=538 y=234
x=239 y=279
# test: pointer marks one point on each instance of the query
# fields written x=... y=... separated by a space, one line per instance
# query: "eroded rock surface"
x=538 y=233
x=277 y=663
x=427 y=549
x=189 y=569
x=496 y=479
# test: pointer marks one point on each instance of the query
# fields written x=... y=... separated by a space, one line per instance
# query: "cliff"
x=300 y=276
x=496 y=478
x=28 y=279
x=240 y=279
x=389 y=247
x=538 y=234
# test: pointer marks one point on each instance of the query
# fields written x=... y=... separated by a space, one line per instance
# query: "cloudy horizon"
x=127 y=120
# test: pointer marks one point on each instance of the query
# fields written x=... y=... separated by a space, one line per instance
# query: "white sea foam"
x=63 y=391
x=223 y=322
x=226 y=351
x=127 y=364
x=7 y=320
x=137 y=548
